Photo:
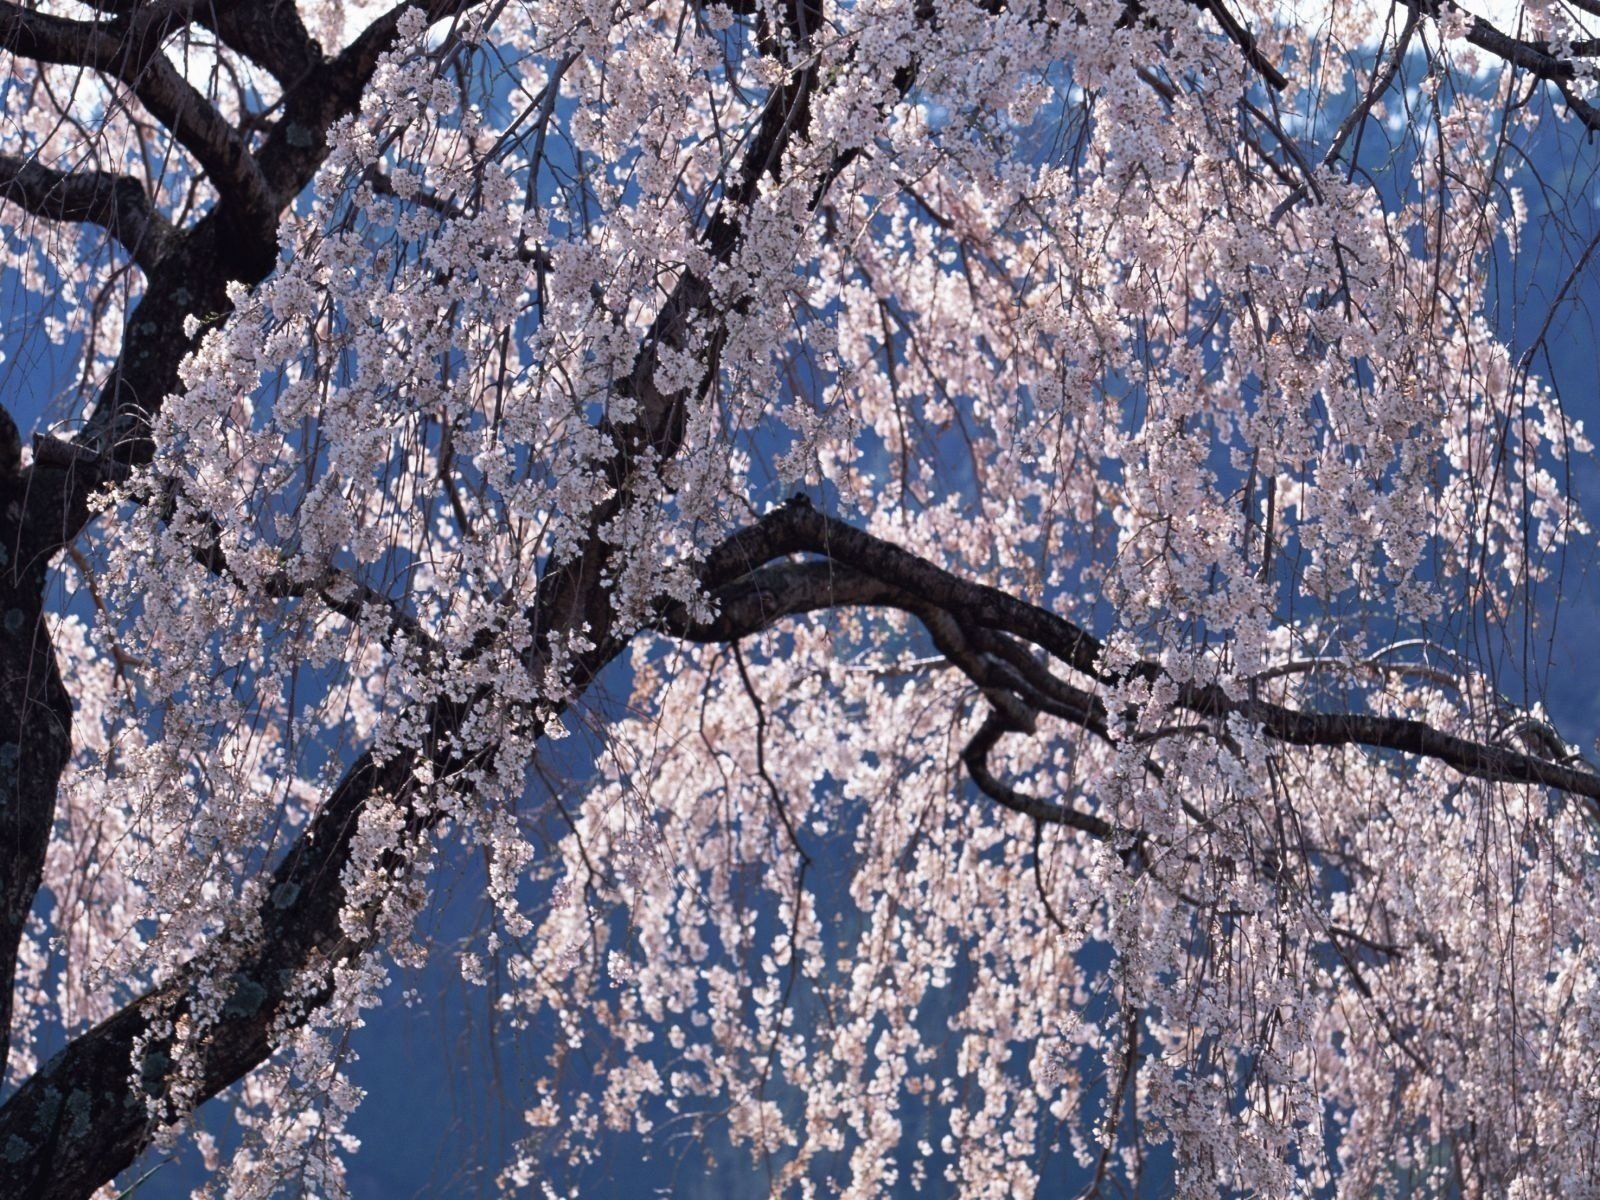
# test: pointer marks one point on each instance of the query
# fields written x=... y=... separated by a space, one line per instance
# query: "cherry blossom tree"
x=1018 y=500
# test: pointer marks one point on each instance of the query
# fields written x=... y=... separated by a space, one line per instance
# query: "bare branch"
x=1245 y=40
x=117 y=203
x=268 y=32
x=128 y=48
x=976 y=758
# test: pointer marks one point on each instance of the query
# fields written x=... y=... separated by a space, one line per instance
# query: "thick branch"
x=128 y=49
x=572 y=594
x=1245 y=40
x=35 y=712
x=117 y=203
x=190 y=279
x=862 y=569
x=798 y=528
x=268 y=32
x=1537 y=58
x=77 y=1123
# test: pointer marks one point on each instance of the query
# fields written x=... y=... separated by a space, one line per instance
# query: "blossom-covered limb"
x=73 y=1125
x=798 y=528
x=96 y=1065
x=571 y=595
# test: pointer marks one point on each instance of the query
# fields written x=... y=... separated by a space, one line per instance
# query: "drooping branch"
x=976 y=758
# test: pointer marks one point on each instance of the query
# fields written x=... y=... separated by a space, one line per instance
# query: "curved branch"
x=882 y=573
x=976 y=758
x=798 y=528
x=128 y=49
x=117 y=203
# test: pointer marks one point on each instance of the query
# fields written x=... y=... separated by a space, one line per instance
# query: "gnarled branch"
x=117 y=203
x=862 y=569
x=128 y=49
